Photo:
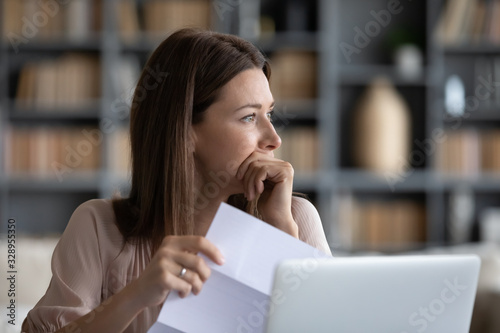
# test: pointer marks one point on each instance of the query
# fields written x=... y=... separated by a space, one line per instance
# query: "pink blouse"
x=89 y=265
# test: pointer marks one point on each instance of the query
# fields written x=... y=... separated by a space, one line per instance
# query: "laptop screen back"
x=390 y=294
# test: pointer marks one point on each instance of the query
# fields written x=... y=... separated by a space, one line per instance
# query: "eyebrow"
x=253 y=106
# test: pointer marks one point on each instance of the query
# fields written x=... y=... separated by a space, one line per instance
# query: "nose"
x=270 y=140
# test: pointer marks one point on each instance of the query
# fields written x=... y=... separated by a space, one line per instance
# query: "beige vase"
x=381 y=129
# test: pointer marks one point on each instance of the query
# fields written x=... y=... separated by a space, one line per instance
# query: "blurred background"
x=389 y=111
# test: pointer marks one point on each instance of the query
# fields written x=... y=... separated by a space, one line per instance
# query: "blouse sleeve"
x=75 y=287
x=310 y=227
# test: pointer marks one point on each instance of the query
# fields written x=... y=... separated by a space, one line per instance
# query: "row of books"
x=37 y=150
x=66 y=82
x=300 y=147
x=80 y=20
x=26 y=20
x=469 y=21
x=469 y=152
x=160 y=16
x=52 y=152
x=74 y=79
x=294 y=74
x=380 y=225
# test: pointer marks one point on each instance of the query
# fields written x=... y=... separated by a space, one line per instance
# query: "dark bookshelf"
x=322 y=27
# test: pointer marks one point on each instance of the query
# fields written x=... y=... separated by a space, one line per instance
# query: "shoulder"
x=95 y=208
x=309 y=222
x=98 y=212
x=93 y=221
x=303 y=210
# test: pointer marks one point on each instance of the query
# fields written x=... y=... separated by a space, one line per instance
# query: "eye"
x=249 y=118
x=270 y=115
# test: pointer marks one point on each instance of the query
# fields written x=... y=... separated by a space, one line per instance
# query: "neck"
x=203 y=217
x=206 y=204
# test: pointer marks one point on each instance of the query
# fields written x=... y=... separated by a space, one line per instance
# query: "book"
x=453 y=18
x=477 y=32
x=294 y=74
x=166 y=16
x=119 y=156
x=45 y=85
x=128 y=20
x=26 y=86
x=490 y=147
x=12 y=23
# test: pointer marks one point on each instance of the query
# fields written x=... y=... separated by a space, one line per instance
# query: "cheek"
x=235 y=151
x=225 y=151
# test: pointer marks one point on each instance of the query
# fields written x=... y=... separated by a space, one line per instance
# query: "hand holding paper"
x=236 y=297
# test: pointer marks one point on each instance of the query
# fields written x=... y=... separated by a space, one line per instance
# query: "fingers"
x=178 y=252
x=182 y=285
x=193 y=263
x=195 y=244
x=194 y=282
x=254 y=181
x=258 y=168
x=254 y=157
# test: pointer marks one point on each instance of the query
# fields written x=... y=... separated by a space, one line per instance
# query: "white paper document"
x=237 y=296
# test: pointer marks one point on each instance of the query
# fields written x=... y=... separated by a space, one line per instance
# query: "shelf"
x=81 y=182
x=338 y=86
x=117 y=179
x=312 y=181
x=364 y=74
x=3 y=182
x=289 y=110
x=88 y=112
x=472 y=49
x=360 y=180
x=144 y=43
x=92 y=44
x=385 y=249
x=303 y=181
x=416 y=181
x=307 y=41
x=482 y=182
x=484 y=114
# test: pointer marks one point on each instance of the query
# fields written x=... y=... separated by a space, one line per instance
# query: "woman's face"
x=235 y=126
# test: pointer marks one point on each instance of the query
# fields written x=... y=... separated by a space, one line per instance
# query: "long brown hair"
x=189 y=69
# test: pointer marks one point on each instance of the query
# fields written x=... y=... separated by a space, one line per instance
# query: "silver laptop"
x=389 y=294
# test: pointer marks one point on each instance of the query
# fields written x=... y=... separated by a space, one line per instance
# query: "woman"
x=200 y=136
